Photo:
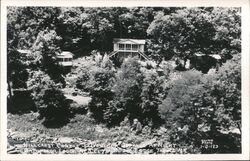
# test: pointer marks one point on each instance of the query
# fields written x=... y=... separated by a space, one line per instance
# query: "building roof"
x=133 y=41
x=65 y=54
x=22 y=51
x=216 y=56
x=199 y=54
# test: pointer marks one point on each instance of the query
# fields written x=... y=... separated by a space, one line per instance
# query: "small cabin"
x=128 y=47
x=205 y=62
x=65 y=59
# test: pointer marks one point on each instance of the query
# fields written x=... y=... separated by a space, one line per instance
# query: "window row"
x=128 y=47
x=64 y=59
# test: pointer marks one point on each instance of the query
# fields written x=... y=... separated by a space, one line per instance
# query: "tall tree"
x=195 y=30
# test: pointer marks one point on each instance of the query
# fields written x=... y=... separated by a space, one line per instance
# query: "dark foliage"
x=21 y=102
x=200 y=107
x=55 y=109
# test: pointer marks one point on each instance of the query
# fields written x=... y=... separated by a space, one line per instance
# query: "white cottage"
x=24 y=51
x=129 y=47
x=65 y=59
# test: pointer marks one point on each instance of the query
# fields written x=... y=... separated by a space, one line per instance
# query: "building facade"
x=65 y=59
x=128 y=47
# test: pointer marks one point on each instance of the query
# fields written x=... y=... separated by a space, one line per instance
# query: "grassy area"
x=81 y=126
x=83 y=129
x=81 y=100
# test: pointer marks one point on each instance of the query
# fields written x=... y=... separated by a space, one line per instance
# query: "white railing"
x=68 y=63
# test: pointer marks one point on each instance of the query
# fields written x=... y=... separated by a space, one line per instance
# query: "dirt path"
x=81 y=100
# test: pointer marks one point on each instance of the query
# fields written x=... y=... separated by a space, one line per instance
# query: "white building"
x=65 y=59
x=24 y=51
x=129 y=47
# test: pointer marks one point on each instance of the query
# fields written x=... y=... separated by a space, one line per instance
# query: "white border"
x=244 y=4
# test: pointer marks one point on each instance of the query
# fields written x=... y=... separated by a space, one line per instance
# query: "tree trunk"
x=239 y=126
x=9 y=89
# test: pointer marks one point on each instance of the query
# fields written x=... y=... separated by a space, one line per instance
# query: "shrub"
x=97 y=77
x=21 y=102
x=86 y=69
x=227 y=90
x=127 y=90
x=136 y=94
x=82 y=126
x=50 y=101
x=101 y=92
x=55 y=109
x=179 y=108
x=151 y=95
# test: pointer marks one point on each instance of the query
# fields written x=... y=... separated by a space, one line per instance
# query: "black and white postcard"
x=124 y=80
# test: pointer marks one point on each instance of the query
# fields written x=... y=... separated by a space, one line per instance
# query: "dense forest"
x=179 y=105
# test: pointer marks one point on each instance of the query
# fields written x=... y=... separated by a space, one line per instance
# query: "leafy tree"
x=101 y=93
x=70 y=29
x=151 y=95
x=137 y=94
x=38 y=82
x=200 y=106
x=227 y=91
x=96 y=75
x=227 y=24
x=183 y=32
x=43 y=56
x=179 y=108
x=17 y=75
x=86 y=68
x=31 y=28
x=191 y=30
x=27 y=22
x=56 y=108
x=16 y=64
x=99 y=27
x=127 y=90
x=224 y=94
x=50 y=101
x=134 y=23
x=174 y=31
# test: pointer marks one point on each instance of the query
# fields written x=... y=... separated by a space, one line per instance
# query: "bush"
x=21 y=102
x=55 y=109
x=133 y=90
x=50 y=101
x=97 y=77
x=101 y=93
x=151 y=95
x=86 y=69
x=81 y=126
x=137 y=93
x=227 y=90
x=181 y=107
x=127 y=91
x=205 y=106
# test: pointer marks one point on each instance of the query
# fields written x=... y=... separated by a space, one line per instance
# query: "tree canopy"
x=192 y=103
x=178 y=31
